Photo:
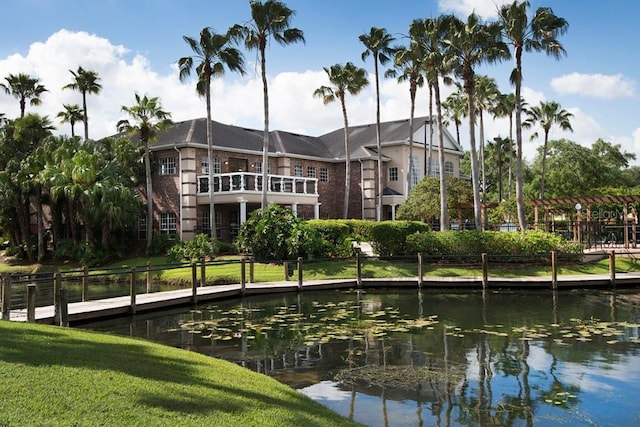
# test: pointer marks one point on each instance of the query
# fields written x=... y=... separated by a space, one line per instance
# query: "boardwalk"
x=122 y=306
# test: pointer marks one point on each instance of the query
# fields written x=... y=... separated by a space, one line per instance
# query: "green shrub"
x=336 y=237
x=161 y=243
x=193 y=250
x=275 y=233
x=389 y=238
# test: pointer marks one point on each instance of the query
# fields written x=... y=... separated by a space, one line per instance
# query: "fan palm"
x=539 y=34
x=269 y=20
x=345 y=79
x=547 y=114
x=486 y=96
x=85 y=82
x=72 y=114
x=24 y=88
x=473 y=43
x=148 y=119
x=211 y=55
x=377 y=44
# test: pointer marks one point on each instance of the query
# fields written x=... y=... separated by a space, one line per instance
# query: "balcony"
x=251 y=183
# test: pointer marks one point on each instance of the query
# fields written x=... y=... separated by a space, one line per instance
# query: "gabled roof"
x=330 y=146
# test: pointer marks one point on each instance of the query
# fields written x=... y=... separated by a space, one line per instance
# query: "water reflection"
x=391 y=358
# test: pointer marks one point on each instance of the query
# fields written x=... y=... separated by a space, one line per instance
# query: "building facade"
x=305 y=173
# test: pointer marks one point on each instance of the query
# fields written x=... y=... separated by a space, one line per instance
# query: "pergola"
x=584 y=204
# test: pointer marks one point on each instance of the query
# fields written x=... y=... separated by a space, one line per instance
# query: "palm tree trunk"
x=482 y=168
x=40 y=222
x=265 y=141
x=412 y=96
x=474 y=155
x=430 y=130
x=86 y=117
x=544 y=163
x=212 y=211
x=444 y=214
x=519 y=185
x=147 y=166
x=347 y=166
x=378 y=143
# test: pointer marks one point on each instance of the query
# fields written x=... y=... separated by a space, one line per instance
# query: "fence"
x=28 y=291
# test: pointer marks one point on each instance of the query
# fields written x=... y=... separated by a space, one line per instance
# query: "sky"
x=134 y=47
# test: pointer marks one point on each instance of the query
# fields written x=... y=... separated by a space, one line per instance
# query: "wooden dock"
x=126 y=305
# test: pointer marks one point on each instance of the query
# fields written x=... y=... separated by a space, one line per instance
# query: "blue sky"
x=134 y=45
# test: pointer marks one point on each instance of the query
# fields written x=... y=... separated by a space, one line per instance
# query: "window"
x=142 y=228
x=297 y=170
x=415 y=171
x=448 y=168
x=311 y=171
x=168 y=223
x=393 y=174
x=217 y=165
x=167 y=166
x=259 y=167
x=204 y=165
x=205 y=219
x=324 y=175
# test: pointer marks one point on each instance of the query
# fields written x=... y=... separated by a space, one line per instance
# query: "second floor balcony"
x=247 y=182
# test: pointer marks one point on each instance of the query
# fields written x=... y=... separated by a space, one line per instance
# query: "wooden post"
x=358 y=270
x=286 y=270
x=243 y=274
x=132 y=290
x=64 y=308
x=148 y=277
x=57 y=286
x=6 y=298
x=203 y=272
x=300 y=273
x=554 y=270
x=251 y=278
x=85 y=283
x=485 y=271
x=31 y=302
x=194 y=282
x=612 y=268
x=420 y=269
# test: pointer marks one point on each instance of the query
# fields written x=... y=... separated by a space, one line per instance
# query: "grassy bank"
x=66 y=377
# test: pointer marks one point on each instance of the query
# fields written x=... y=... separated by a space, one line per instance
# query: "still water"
x=430 y=358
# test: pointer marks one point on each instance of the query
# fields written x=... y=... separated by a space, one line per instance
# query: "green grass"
x=66 y=377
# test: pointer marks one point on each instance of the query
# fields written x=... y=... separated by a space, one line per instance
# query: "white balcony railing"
x=252 y=183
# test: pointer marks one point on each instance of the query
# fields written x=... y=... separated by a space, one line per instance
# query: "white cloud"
x=595 y=85
x=463 y=8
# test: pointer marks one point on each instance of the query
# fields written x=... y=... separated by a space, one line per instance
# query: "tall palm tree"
x=377 y=44
x=269 y=20
x=486 y=97
x=148 y=119
x=546 y=115
x=429 y=33
x=212 y=53
x=473 y=43
x=85 y=82
x=408 y=68
x=539 y=34
x=72 y=114
x=455 y=109
x=506 y=107
x=24 y=88
x=345 y=79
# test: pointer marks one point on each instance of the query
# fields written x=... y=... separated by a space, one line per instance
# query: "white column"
x=243 y=212
x=316 y=211
x=294 y=208
x=393 y=212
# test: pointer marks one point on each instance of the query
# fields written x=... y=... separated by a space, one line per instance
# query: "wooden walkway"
x=122 y=306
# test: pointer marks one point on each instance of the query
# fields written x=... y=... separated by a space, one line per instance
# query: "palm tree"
x=473 y=43
x=486 y=96
x=271 y=19
x=86 y=82
x=455 y=109
x=408 y=67
x=546 y=115
x=213 y=54
x=377 y=44
x=148 y=120
x=506 y=107
x=345 y=79
x=71 y=114
x=540 y=34
x=429 y=34
x=24 y=88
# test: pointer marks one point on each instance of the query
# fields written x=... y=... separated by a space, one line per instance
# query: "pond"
x=434 y=357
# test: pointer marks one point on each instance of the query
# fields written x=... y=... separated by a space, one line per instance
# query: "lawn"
x=66 y=377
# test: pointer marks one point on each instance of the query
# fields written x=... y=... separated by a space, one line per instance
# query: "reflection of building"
x=305 y=173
